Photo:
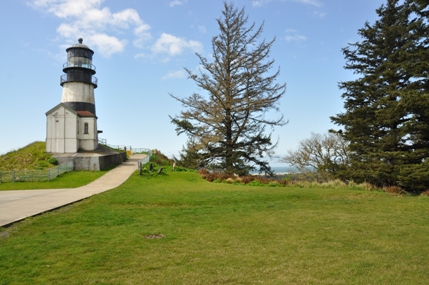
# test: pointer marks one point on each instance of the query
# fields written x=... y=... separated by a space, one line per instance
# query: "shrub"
x=394 y=190
x=40 y=165
x=263 y=180
x=298 y=181
x=230 y=180
x=255 y=183
x=246 y=179
x=160 y=159
x=204 y=173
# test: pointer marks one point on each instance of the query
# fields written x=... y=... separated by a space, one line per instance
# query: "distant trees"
x=227 y=126
x=327 y=155
x=386 y=117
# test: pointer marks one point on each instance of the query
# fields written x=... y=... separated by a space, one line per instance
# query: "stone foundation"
x=92 y=161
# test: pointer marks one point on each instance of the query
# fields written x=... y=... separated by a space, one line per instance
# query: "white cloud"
x=97 y=25
x=172 y=45
x=293 y=36
x=316 y=3
x=319 y=14
x=291 y=31
x=140 y=55
x=177 y=2
x=107 y=45
x=181 y=74
x=259 y=3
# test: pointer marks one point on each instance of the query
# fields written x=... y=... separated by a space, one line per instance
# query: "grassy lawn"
x=66 y=180
x=176 y=228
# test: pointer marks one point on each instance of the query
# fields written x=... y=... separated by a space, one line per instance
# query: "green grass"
x=30 y=157
x=216 y=233
x=66 y=180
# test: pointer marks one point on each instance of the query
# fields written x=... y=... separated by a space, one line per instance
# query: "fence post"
x=13 y=176
x=49 y=174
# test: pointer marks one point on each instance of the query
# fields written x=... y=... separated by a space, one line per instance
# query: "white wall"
x=61 y=131
x=88 y=141
x=78 y=92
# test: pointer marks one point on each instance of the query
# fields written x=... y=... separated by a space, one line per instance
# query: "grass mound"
x=160 y=159
x=30 y=157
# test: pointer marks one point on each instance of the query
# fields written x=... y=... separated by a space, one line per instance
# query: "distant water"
x=283 y=169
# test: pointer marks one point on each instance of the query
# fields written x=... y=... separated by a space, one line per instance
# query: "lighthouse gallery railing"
x=79 y=64
x=78 y=78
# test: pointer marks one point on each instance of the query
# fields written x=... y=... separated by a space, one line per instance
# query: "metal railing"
x=79 y=64
x=102 y=141
x=129 y=149
x=35 y=175
x=116 y=147
x=142 y=150
x=145 y=160
x=76 y=78
x=123 y=147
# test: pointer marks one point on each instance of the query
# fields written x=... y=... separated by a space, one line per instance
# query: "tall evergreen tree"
x=227 y=125
x=385 y=118
x=415 y=174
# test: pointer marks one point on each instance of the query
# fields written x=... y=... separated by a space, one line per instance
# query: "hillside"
x=30 y=157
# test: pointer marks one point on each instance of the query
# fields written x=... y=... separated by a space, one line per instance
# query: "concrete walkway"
x=16 y=205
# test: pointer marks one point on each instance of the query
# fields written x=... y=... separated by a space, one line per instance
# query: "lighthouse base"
x=101 y=159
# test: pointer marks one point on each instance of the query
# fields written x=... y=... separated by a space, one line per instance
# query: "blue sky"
x=141 y=48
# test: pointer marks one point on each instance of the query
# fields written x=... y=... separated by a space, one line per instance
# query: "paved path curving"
x=16 y=205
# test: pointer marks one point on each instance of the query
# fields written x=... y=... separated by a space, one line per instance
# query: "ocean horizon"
x=284 y=169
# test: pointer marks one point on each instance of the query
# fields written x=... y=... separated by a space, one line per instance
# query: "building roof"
x=80 y=45
x=85 y=114
x=58 y=106
x=77 y=113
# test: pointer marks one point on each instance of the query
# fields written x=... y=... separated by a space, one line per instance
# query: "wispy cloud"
x=173 y=45
x=319 y=14
x=96 y=24
x=259 y=3
x=293 y=36
x=180 y=74
x=177 y=3
x=316 y=3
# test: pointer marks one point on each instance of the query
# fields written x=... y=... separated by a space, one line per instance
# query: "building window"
x=85 y=128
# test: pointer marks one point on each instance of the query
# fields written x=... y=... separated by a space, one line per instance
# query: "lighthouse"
x=72 y=125
x=79 y=81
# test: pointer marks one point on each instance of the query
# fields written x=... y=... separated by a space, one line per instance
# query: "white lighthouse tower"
x=72 y=124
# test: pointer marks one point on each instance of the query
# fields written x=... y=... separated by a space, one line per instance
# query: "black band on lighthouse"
x=81 y=106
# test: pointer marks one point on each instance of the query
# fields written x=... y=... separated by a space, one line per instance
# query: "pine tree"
x=227 y=125
x=415 y=174
x=385 y=118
